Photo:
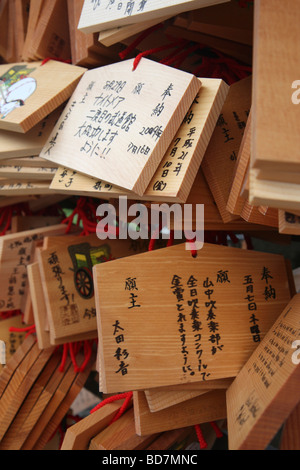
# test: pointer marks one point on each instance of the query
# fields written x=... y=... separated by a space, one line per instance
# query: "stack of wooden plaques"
x=32 y=99
x=149 y=107
x=274 y=178
x=35 y=395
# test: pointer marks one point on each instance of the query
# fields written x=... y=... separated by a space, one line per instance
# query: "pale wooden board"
x=273 y=194
x=177 y=170
x=219 y=161
x=39 y=306
x=21 y=173
x=26 y=188
x=121 y=435
x=71 y=313
x=97 y=17
x=41 y=91
x=14 y=145
x=257 y=402
x=136 y=145
x=12 y=340
x=229 y=21
x=160 y=400
x=208 y=407
x=272 y=86
x=16 y=252
x=112 y=36
x=279 y=176
x=117 y=300
x=176 y=173
x=289 y=223
x=28 y=162
x=80 y=434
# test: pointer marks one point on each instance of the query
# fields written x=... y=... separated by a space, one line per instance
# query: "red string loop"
x=127 y=396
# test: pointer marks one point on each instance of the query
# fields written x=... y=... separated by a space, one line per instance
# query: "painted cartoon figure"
x=15 y=88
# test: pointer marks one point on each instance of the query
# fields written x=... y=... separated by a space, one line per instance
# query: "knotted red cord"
x=138 y=40
x=127 y=396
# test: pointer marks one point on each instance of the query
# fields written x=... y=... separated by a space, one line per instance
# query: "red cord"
x=57 y=60
x=138 y=40
x=156 y=49
x=29 y=330
x=194 y=252
x=202 y=441
x=112 y=399
x=123 y=407
x=217 y=430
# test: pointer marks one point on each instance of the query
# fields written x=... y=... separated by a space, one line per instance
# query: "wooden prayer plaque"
x=266 y=390
x=16 y=252
x=276 y=138
x=31 y=91
x=38 y=305
x=275 y=194
x=80 y=434
x=66 y=273
x=203 y=409
x=178 y=169
x=99 y=16
x=217 y=307
x=221 y=155
x=119 y=122
x=14 y=145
